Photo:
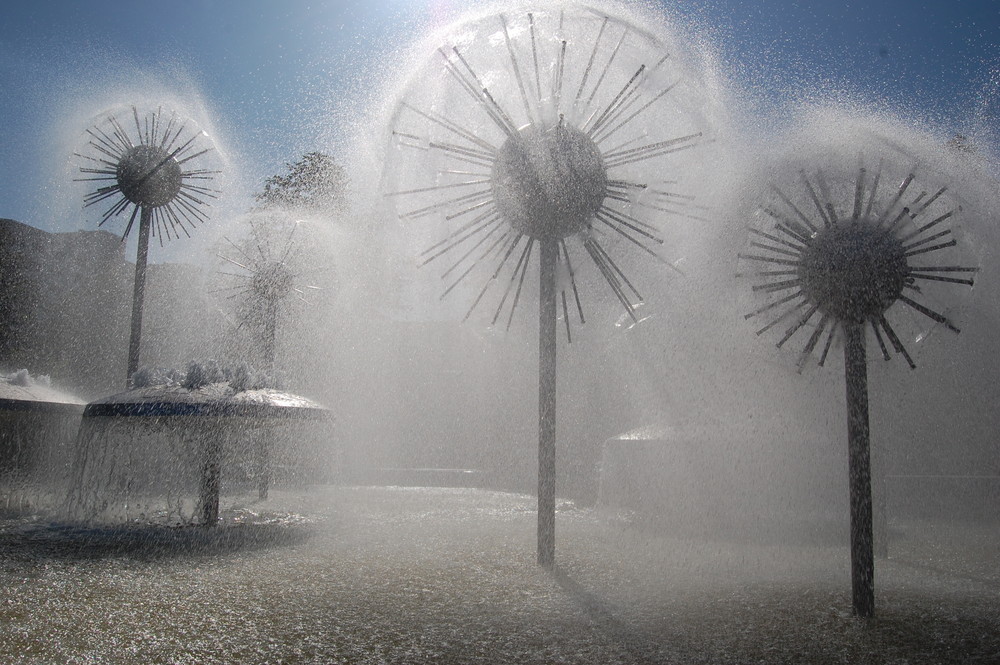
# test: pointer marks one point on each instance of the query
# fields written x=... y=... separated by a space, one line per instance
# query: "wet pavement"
x=436 y=575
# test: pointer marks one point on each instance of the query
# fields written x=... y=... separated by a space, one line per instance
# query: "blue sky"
x=266 y=72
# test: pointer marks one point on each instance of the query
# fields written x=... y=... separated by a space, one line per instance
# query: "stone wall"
x=65 y=309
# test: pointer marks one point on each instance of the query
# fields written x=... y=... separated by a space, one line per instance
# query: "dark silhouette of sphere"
x=853 y=271
x=549 y=183
x=148 y=176
x=273 y=281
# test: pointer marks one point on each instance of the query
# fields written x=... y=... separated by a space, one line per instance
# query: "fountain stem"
x=139 y=292
x=859 y=463
x=547 y=326
x=269 y=353
x=269 y=339
x=211 y=471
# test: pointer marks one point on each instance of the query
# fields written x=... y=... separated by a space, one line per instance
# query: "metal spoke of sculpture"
x=150 y=168
x=542 y=134
x=834 y=266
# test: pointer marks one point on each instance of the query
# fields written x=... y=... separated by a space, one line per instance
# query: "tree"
x=315 y=183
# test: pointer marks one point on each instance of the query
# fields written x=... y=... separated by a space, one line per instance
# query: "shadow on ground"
x=144 y=542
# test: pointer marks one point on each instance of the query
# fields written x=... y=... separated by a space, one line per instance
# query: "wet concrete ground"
x=431 y=575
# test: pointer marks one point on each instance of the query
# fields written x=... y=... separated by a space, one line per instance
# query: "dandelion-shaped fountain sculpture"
x=541 y=131
x=842 y=257
x=152 y=180
x=269 y=272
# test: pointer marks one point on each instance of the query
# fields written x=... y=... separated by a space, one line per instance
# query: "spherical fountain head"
x=269 y=274
x=156 y=161
x=273 y=281
x=844 y=247
x=549 y=183
x=854 y=272
x=564 y=131
x=148 y=176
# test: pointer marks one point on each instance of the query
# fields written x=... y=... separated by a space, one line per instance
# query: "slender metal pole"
x=547 y=404
x=270 y=334
x=211 y=472
x=139 y=292
x=266 y=441
x=859 y=467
